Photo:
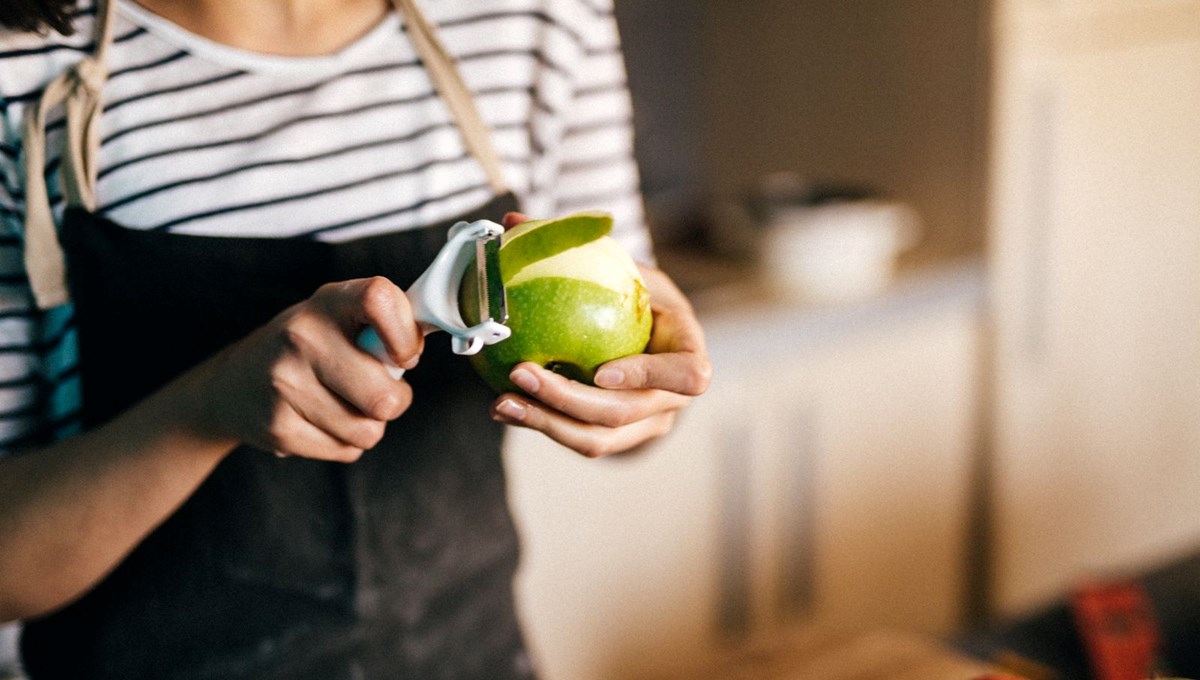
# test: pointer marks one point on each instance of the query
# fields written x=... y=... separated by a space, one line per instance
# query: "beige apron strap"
x=449 y=83
x=79 y=89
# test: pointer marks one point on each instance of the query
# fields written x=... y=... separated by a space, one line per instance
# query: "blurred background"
x=947 y=253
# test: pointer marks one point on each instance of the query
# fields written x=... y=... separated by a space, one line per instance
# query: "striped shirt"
x=201 y=138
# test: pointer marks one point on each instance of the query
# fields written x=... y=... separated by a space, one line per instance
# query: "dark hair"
x=38 y=15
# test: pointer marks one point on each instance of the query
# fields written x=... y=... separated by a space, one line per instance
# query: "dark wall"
x=663 y=54
x=886 y=93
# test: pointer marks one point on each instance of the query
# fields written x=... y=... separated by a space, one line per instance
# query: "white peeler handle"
x=434 y=298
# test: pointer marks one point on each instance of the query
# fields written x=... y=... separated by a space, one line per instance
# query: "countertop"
x=738 y=309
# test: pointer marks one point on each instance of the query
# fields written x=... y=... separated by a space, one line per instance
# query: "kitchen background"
x=948 y=256
x=953 y=441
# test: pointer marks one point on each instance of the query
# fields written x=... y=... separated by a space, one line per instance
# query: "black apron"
x=398 y=566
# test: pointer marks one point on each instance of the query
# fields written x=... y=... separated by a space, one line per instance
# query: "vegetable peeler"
x=434 y=295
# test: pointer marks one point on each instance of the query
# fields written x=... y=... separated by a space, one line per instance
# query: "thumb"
x=512 y=219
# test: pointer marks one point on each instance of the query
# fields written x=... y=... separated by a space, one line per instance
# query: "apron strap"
x=449 y=83
x=79 y=88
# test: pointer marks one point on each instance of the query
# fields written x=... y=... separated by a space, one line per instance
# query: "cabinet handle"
x=798 y=545
x=735 y=565
x=1043 y=137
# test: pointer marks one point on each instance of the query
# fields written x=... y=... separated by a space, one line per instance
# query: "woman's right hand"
x=300 y=386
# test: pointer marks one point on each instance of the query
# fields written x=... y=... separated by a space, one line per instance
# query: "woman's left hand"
x=635 y=399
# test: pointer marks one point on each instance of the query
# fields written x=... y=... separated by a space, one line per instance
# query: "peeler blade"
x=493 y=302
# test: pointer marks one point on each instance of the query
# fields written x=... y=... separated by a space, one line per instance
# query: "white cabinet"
x=621 y=563
x=862 y=426
x=1095 y=261
x=824 y=478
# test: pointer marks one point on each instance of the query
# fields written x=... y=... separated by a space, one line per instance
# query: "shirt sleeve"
x=597 y=169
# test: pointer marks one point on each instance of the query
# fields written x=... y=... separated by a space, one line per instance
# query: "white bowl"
x=836 y=252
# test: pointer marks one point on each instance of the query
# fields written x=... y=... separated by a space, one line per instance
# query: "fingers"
x=684 y=373
x=635 y=398
x=676 y=328
x=332 y=386
x=604 y=407
x=379 y=303
x=512 y=219
x=290 y=434
x=258 y=413
x=676 y=358
x=302 y=392
x=317 y=356
x=300 y=386
x=593 y=421
x=589 y=439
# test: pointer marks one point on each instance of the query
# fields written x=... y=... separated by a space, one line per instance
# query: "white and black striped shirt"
x=202 y=138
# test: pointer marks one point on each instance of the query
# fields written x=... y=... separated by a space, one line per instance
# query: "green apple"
x=575 y=300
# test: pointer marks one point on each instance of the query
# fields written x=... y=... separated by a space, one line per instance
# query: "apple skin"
x=571 y=313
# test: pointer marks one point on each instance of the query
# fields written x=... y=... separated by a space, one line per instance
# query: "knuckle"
x=594 y=449
x=279 y=430
x=327 y=290
x=368 y=433
x=365 y=433
x=664 y=425
x=298 y=335
x=391 y=402
x=555 y=399
x=638 y=375
x=589 y=451
x=385 y=406
x=328 y=297
x=283 y=382
x=379 y=294
x=620 y=413
x=345 y=454
x=700 y=377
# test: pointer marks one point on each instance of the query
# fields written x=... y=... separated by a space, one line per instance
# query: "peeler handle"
x=370 y=342
x=434 y=298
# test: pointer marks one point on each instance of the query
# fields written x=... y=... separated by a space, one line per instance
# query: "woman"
x=219 y=161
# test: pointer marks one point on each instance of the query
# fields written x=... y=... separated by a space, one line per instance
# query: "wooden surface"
x=823 y=654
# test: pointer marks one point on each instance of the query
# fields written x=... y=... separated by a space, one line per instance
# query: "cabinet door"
x=620 y=570
x=1096 y=272
x=862 y=477
x=823 y=477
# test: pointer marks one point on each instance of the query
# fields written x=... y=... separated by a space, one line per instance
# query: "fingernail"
x=525 y=380
x=610 y=377
x=511 y=408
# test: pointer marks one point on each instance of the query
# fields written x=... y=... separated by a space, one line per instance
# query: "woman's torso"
x=203 y=140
